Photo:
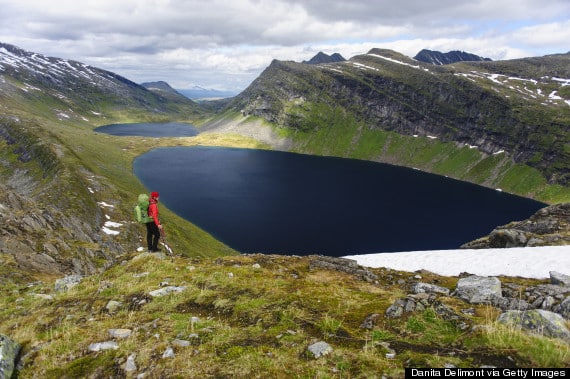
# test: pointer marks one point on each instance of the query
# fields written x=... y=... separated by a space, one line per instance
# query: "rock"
x=120 y=333
x=478 y=289
x=370 y=321
x=113 y=306
x=564 y=308
x=166 y=290
x=320 y=349
x=107 y=345
x=9 y=351
x=349 y=266
x=429 y=288
x=505 y=238
x=396 y=309
x=130 y=365
x=548 y=226
x=538 y=321
x=506 y=304
x=168 y=353
x=66 y=283
x=560 y=279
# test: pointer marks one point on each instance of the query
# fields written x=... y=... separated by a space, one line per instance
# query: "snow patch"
x=527 y=262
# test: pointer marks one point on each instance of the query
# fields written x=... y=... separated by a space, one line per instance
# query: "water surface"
x=169 y=129
x=285 y=203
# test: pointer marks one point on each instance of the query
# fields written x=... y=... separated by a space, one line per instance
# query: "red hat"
x=154 y=195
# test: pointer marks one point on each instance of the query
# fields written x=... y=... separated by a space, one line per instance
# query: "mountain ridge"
x=389 y=91
x=439 y=58
x=66 y=197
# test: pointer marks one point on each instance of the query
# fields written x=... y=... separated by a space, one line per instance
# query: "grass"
x=250 y=316
x=345 y=137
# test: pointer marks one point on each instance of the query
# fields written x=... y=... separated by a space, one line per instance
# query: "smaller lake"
x=259 y=201
x=157 y=130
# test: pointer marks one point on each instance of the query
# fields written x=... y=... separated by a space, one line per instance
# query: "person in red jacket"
x=154 y=228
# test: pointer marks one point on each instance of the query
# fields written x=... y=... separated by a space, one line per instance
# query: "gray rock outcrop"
x=320 y=349
x=548 y=226
x=538 y=321
x=349 y=266
x=9 y=351
x=478 y=289
x=559 y=279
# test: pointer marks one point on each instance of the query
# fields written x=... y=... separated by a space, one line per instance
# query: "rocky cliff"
x=548 y=226
x=384 y=90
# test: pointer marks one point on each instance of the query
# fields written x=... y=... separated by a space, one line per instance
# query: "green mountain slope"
x=62 y=184
x=476 y=122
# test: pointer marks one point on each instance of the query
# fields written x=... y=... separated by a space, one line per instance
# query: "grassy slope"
x=339 y=134
x=253 y=316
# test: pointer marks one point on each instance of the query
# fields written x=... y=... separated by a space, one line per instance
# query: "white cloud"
x=220 y=43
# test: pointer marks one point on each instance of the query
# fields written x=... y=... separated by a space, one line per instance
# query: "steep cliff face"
x=527 y=117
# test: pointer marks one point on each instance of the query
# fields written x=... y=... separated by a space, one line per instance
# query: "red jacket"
x=153 y=211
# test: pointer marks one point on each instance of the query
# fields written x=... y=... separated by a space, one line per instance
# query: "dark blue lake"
x=169 y=129
x=259 y=201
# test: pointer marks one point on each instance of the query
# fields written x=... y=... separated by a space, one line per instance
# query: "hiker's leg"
x=149 y=234
x=156 y=236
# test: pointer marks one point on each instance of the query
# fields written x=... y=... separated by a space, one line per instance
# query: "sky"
x=225 y=45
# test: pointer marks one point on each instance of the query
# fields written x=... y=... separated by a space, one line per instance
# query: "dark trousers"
x=152 y=236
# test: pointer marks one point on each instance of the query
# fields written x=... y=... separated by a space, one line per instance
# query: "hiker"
x=153 y=228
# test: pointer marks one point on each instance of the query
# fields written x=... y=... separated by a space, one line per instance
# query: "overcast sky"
x=226 y=44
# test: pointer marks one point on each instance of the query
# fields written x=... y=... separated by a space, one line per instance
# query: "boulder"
x=505 y=238
x=539 y=321
x=9 y=351
x=100 y=346
x=166 y=290
x=320 y=349
x=66 y=283
x=560 y=279
x=564 y=308
x=478 y=289
x=429 y=288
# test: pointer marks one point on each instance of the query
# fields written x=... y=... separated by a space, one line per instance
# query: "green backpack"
x=141 y=209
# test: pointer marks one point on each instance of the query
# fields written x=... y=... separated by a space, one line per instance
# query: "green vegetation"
x=335 y=132
x=249 y=316
x=252 y=315
x=255 y=316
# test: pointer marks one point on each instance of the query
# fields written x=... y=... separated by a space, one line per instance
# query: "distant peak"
x=439 y=58
x=325 y=58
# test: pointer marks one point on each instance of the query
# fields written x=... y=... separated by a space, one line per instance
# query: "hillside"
x=61 y=184
x=275 y=316
x=79 y=299
x=501 y=124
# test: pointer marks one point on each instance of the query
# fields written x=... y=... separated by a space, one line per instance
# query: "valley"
x=500 y=124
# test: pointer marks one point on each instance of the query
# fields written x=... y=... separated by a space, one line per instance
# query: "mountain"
x=199 y=93
x=79 y=300
x=439 y=58
x=476 y=121
x=59 y=179
x=324 y=58
x=72 y=90
x=165 y=90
